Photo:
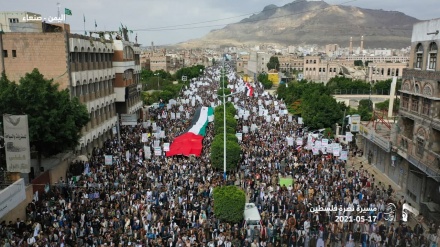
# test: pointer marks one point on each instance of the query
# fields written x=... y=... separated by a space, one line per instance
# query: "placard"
x=129 y=119
x=16 y=139
x=157 y=151
x=144 y=137
x=108 y=160
x=239 y=136
x=166 y=146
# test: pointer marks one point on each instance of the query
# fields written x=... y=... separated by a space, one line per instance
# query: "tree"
x=264 y=79
x=320 y=111
x=233 y=151
x=229 y=202
x=273 y=63
x=358 y=63
x=55 y=119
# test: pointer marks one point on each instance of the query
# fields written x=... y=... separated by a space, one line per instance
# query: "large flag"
x=190 y=142
x=249 y=90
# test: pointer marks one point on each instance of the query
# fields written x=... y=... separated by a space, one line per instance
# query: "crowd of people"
x=147 y=199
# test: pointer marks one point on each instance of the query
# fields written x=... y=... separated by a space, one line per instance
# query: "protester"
x=147 y=199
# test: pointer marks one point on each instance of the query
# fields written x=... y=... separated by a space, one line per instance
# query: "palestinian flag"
x=249 y=90
x=190 y=142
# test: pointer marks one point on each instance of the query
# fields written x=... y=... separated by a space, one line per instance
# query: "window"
x=419 y=56
x=5 y=53
x=14 y=53
x=432 y=60
x=426 y=106
x=405 y=101
x=415 y=104
x=420 y=146
x=13 y=20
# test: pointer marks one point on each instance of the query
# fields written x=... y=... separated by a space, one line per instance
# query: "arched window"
x=128 y=52
x=432 y=60
x=419 y=56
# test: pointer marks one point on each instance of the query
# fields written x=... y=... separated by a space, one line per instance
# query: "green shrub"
x=229 y=202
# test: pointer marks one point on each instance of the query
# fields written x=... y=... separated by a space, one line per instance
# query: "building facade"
x=418 y=139
x=257 y=63
x=103 y=74
x=320 y=70
x=127 y=68
x=385 y=71
x=79 y=63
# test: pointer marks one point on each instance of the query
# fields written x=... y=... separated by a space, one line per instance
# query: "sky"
x=167 y=22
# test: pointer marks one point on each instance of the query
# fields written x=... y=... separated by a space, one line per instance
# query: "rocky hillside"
x=315 y=22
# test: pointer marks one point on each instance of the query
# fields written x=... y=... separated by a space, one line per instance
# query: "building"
x=257 y=63
x=385 y=71
x=320 y=70
x=21 y=21
x=331 y=49
x=242 y=62
x=127 y=68
x=418 y=140
x=103 y=74
x=79 y=63
x=290 y=63
x=378 y=59
x=408 y=151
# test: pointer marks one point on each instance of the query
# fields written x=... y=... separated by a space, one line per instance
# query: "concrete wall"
x=20 y=210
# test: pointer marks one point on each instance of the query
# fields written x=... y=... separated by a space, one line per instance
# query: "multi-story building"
x=103 y=74
x=160 y=61
x=257 y=63
x=385 y=71
x=320 y=70
x=289 y=63
x=127 y=67
x=79 y=63
x=418 y=139
x=378 y=59
x=242 y=62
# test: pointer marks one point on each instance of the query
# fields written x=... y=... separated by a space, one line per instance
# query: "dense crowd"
x=148 y=199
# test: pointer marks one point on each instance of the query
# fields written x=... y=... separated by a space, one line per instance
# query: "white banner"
x=344 y=155
x=324 y=143
x=300 y=120
x=12 y=196
x=289 y=141
x=166 y=146
x=147 y=152
x=144 y=137
x=157 y=151
x=16 y=137
x=129 y=119
x=239 y=136
x=108 y=160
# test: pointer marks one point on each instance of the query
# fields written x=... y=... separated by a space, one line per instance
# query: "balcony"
x=429 y=162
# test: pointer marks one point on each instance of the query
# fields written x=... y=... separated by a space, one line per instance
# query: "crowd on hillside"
x=145 y=199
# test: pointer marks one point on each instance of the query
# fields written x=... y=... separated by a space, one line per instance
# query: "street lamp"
x=224 y=118
x=157 y=74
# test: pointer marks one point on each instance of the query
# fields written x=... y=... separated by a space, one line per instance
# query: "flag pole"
x=84 y=17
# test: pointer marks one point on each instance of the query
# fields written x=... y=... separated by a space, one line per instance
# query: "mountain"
x=315 y=22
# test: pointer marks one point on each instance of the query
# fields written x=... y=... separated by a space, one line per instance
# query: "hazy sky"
x=173 y=21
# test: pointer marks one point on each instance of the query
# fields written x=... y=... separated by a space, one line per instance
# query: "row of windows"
x=431 y=58
x=99 y=116
x=5 y=53
x=415 y=102
x=321 y=69
x=90 y=57
x=389 y=71
x=289 y=64
x=311 y=61
x=86 y=89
